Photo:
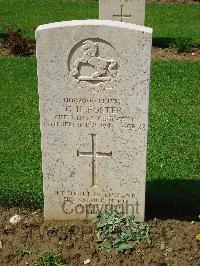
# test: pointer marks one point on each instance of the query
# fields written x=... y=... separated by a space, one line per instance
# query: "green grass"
x=173 y=149
x=167 y=20
x=174 y=120
x=27 y=15
x=173 y=181
x=21 y=178
x=174 y=20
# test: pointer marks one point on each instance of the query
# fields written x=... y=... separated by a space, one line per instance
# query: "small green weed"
x=120 y=232
x=49 y=259
x=182 y=45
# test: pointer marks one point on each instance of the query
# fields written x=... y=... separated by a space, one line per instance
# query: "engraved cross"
x=94 y=154
x=121 y=16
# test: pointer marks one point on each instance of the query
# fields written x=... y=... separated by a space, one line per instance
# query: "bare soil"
x=17 y=46
x=174 y=242
x=171 y=54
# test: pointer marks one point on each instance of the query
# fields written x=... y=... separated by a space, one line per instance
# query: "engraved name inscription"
x=102 y=113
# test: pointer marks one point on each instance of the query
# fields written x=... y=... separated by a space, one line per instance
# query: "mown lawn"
x=173 y=181
x=167 y=20
x=174 y=20
x=20 y=136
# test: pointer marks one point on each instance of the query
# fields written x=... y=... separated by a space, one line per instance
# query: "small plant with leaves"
x=120 y=232
x=49 y=259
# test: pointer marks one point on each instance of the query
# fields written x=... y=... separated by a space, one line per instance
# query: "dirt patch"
x=171 y=54
x=174 y=242
x=4 y=51
x=16 y=45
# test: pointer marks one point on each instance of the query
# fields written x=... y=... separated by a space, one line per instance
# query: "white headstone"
x=130 y=11
x=93 y=89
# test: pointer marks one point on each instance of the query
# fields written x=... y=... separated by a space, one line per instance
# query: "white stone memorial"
x=130 y=11
x=93 y=91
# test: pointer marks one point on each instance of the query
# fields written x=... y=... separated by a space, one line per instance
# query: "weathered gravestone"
x=130 y=11
x=93 y=89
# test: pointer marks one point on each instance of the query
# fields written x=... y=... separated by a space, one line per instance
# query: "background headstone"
x=130 y=11
x=93 y=90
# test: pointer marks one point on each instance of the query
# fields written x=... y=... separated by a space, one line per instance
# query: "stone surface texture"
x=130 y=11
x=93 y=79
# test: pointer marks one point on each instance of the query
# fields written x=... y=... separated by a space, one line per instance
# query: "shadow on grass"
x=172 y=199
x=3 y=35
x=165 y=199
x=162 y=42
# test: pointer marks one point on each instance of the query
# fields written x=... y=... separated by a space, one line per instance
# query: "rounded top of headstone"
x=94 y=22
